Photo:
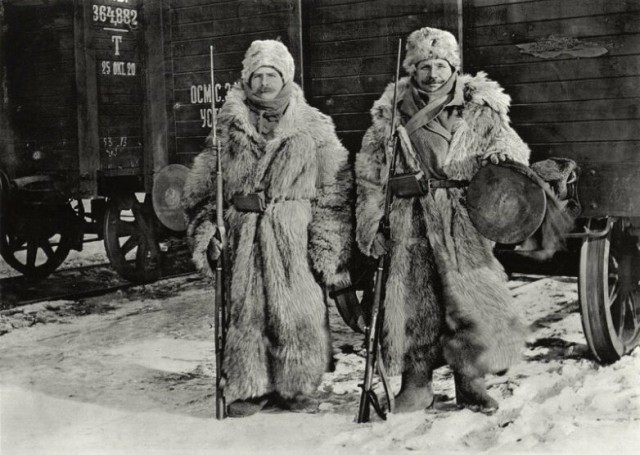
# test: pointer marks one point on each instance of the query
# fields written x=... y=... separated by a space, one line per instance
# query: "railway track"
x=71 y=284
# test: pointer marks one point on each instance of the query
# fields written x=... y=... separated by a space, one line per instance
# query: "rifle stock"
x=220 y=305
x=368 y=398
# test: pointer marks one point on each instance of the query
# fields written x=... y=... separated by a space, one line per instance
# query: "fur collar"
x=478 y=90
x=299 y=118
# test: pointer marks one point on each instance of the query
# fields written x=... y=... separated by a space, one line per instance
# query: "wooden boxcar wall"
x=8 y=161
x=344 y=51
x=39 y=88
x=351 y=51
x=191 y=26
x=572 y=68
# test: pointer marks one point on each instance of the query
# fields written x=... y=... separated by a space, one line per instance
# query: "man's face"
x=431 y=74
x=266 y=83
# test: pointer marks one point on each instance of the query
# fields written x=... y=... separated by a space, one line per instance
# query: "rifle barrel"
x=213 y=97
x=219 y=267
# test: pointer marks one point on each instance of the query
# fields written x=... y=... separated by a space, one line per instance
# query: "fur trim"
x=443 y=276
x=268 y=53
x=427 y=43
x=278 y=337
x=198 y=201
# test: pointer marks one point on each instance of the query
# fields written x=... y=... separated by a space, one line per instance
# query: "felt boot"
x=245 y=408
x=471 y=393
x=300 y=403
x=415 y=393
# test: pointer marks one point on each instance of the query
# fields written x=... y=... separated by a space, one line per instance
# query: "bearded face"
x=431 y=74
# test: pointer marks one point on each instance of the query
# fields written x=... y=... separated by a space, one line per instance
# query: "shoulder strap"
x=407 y=148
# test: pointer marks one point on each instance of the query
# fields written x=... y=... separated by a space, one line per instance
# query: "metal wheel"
x=35 y=240
x=609 y=289
x=130 y=238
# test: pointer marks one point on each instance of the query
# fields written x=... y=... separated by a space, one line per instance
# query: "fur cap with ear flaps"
x=426 y=43
x=268 y=53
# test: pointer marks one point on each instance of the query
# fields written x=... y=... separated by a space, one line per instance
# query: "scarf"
x=416 y=100
x=265 y=114
x=429 y=134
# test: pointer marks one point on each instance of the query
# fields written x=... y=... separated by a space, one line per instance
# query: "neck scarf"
x=416 y=98
x=429 y=138
x=267 y=113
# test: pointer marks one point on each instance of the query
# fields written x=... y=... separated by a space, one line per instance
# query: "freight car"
x=572 y=70
x=107 y=100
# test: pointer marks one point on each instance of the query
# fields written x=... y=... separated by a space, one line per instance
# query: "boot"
x=300 y=403
x=415 y=393
x=471 y=393
x=245 y=408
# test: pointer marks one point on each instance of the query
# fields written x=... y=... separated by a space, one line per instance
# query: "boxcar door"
x=110 y=46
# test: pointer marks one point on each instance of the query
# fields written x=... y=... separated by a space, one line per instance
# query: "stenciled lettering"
x=117 y=68
x=201 y=93
x=117 y=39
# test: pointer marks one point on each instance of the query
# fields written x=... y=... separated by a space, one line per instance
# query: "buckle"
x=429 y=185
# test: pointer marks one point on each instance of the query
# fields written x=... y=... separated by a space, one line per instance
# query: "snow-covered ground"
x=135 y=376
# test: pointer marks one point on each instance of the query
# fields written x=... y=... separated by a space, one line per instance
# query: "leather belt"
x=257 y=202
x=437 y=183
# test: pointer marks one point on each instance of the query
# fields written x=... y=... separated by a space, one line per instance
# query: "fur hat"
x=268 y=53
x=426 y=43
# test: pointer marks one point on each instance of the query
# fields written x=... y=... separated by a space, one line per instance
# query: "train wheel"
x=36 y=239
x=130 y=238
x=609 y=289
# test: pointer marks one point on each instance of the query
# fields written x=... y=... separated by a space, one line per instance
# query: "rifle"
x=368 y=397
x=219 y=265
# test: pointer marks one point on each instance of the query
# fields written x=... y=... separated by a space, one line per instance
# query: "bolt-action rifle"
x=374 y=361
x=218 y=266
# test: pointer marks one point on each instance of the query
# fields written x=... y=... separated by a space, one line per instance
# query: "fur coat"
x=277 y=336
x=446 y=297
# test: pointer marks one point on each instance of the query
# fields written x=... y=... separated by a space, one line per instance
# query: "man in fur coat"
x=446 y=297
x=274 y=145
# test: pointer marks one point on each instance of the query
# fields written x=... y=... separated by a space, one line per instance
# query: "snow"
x=138 y=379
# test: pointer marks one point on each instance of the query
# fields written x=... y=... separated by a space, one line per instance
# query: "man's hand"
x=494 y=157
x=341 y=279
x=214 y=249
x=380 y=246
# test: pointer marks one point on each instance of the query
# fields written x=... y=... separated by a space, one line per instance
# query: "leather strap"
x=435 y=183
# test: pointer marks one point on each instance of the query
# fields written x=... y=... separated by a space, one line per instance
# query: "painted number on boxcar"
x=115 y=16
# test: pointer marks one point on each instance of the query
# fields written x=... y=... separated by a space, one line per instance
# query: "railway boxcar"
x=106 y=100
x=80 y=120
x=102 y=99
x=572 y=69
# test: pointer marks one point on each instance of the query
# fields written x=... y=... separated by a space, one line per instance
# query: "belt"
x=437 y=183
x=257 y=202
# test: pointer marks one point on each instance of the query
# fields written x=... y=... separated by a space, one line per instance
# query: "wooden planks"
x=39 y=83
x=352 y=48
x=621 y=109
x=566 y=102
x=501 y=13
x=579 y=27
x=590 y=152
x=156 y=151
x=609 y=189
x=230 y=26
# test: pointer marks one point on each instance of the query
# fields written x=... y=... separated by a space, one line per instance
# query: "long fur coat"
x=277 y=337
x=446 y=296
